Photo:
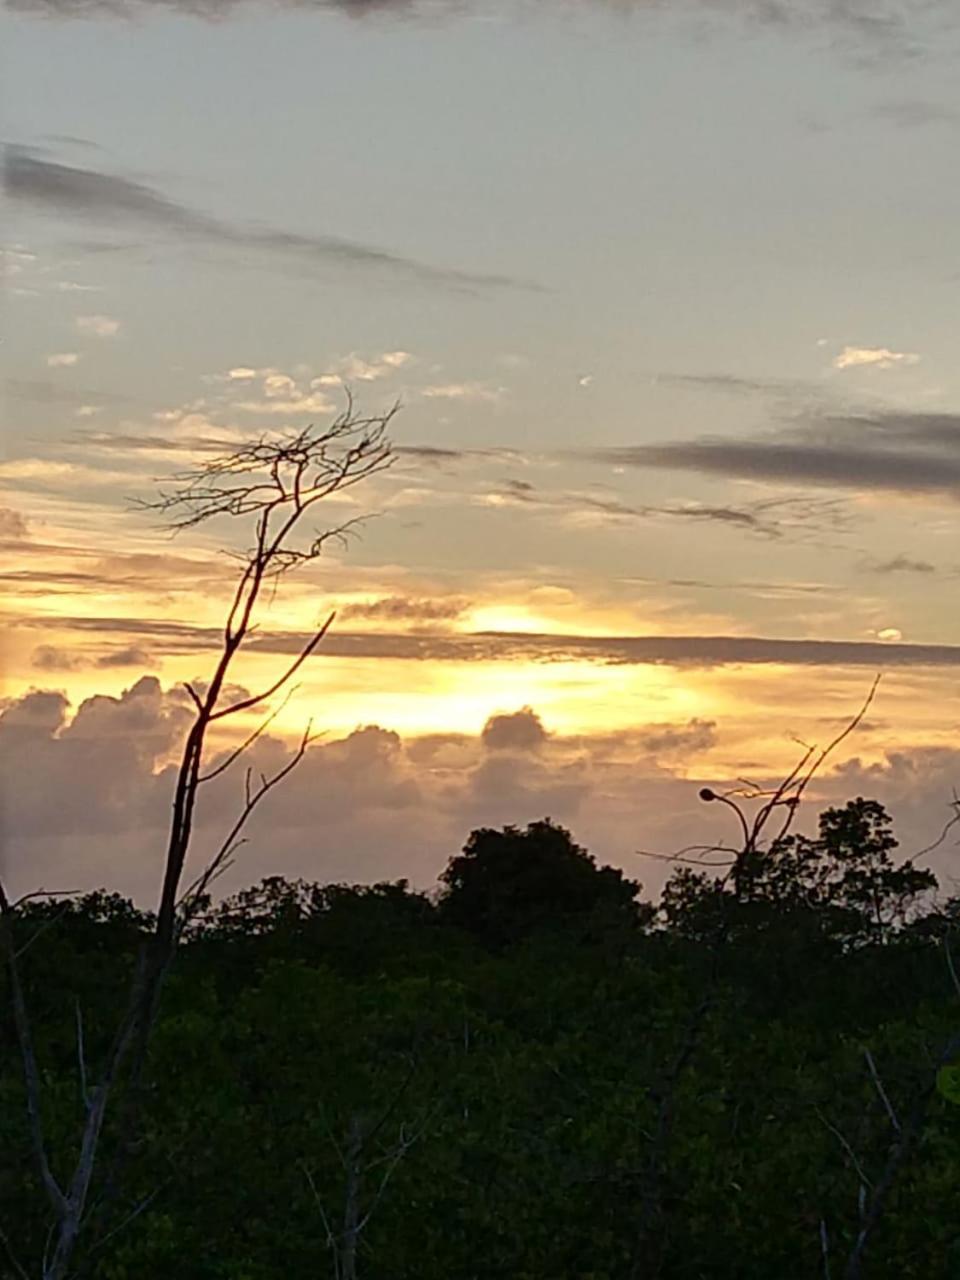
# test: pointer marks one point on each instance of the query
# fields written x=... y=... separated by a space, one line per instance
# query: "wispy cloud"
x=62 y=359
x=896 y=451
x=903 y=564
x=889 y=24
x=477 y=392
x=12 y=524
x=492 y=646
x=873 y=358
x=112 y=200
x=406 y=609
x=37 y=391
x=765 y=518
x=97 y=326
x=915 y=113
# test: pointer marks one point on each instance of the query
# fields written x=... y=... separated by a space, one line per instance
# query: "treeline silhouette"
x=532 y=1073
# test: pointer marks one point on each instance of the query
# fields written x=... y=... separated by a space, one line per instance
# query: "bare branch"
x=948 y=953
x=235 y=755
x=12 y=1257
x=825 y=1249
x=82 y=1058
x=31 y=1073
x=253 y=799
x=193 y=694
x=878 y=1084
x=274 y=481
x=865 y=1181
x=291 y=671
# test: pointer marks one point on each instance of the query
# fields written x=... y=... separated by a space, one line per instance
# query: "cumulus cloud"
x=281 y=393
x=354 y=368
x=62 y=359
x=362 y=807
x=112 y=200
x=371 y=805
x=873 y=358
x=97 y=326
x=517 y=731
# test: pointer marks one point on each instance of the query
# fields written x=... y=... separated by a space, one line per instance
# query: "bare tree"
x=274 y=484
x=764 y=816
x=369 y=1162
x=906 y=1132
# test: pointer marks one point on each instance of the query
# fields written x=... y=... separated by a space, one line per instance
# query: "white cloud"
x=98 y=326
x=241 y=374
x=585 y=381
x=873 y=357
x=62 y=359
x=296 y=403
x=277 y=385
x=475 y=391
x=354 y=368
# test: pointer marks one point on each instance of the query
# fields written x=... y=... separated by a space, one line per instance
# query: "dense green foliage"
x=533 y=1075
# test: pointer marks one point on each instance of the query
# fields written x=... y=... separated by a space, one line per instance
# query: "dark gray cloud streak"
x=895 y=451
x=108 y=199
x=879 y=22
x=167 y=637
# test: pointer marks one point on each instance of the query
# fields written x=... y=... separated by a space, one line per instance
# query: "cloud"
x=97 y=326
x=766 y=518
x=49 y=657
x=671 y=739
x=41 y=392
x=405 y=609
x=892 y=450
x=477 y=392
x=890 y=25
x=915 y=113
x=132 y=655
x=362 y=807
x=166 y=636
x=354 y=368
x=903 y=564
x=91 y=194
x=517 y=731
x=371 y=805
x=873 y=358
x=62 y=359
x=735 y=385
x=12 y=524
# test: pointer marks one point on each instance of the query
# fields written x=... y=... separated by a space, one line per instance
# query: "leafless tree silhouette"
x=274 y=484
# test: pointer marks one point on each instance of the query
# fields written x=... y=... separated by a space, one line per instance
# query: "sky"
x=667 y=295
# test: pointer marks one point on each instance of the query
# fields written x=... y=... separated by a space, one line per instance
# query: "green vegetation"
x=532 y=1074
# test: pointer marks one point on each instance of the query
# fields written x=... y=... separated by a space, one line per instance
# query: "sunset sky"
x=668 y=294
